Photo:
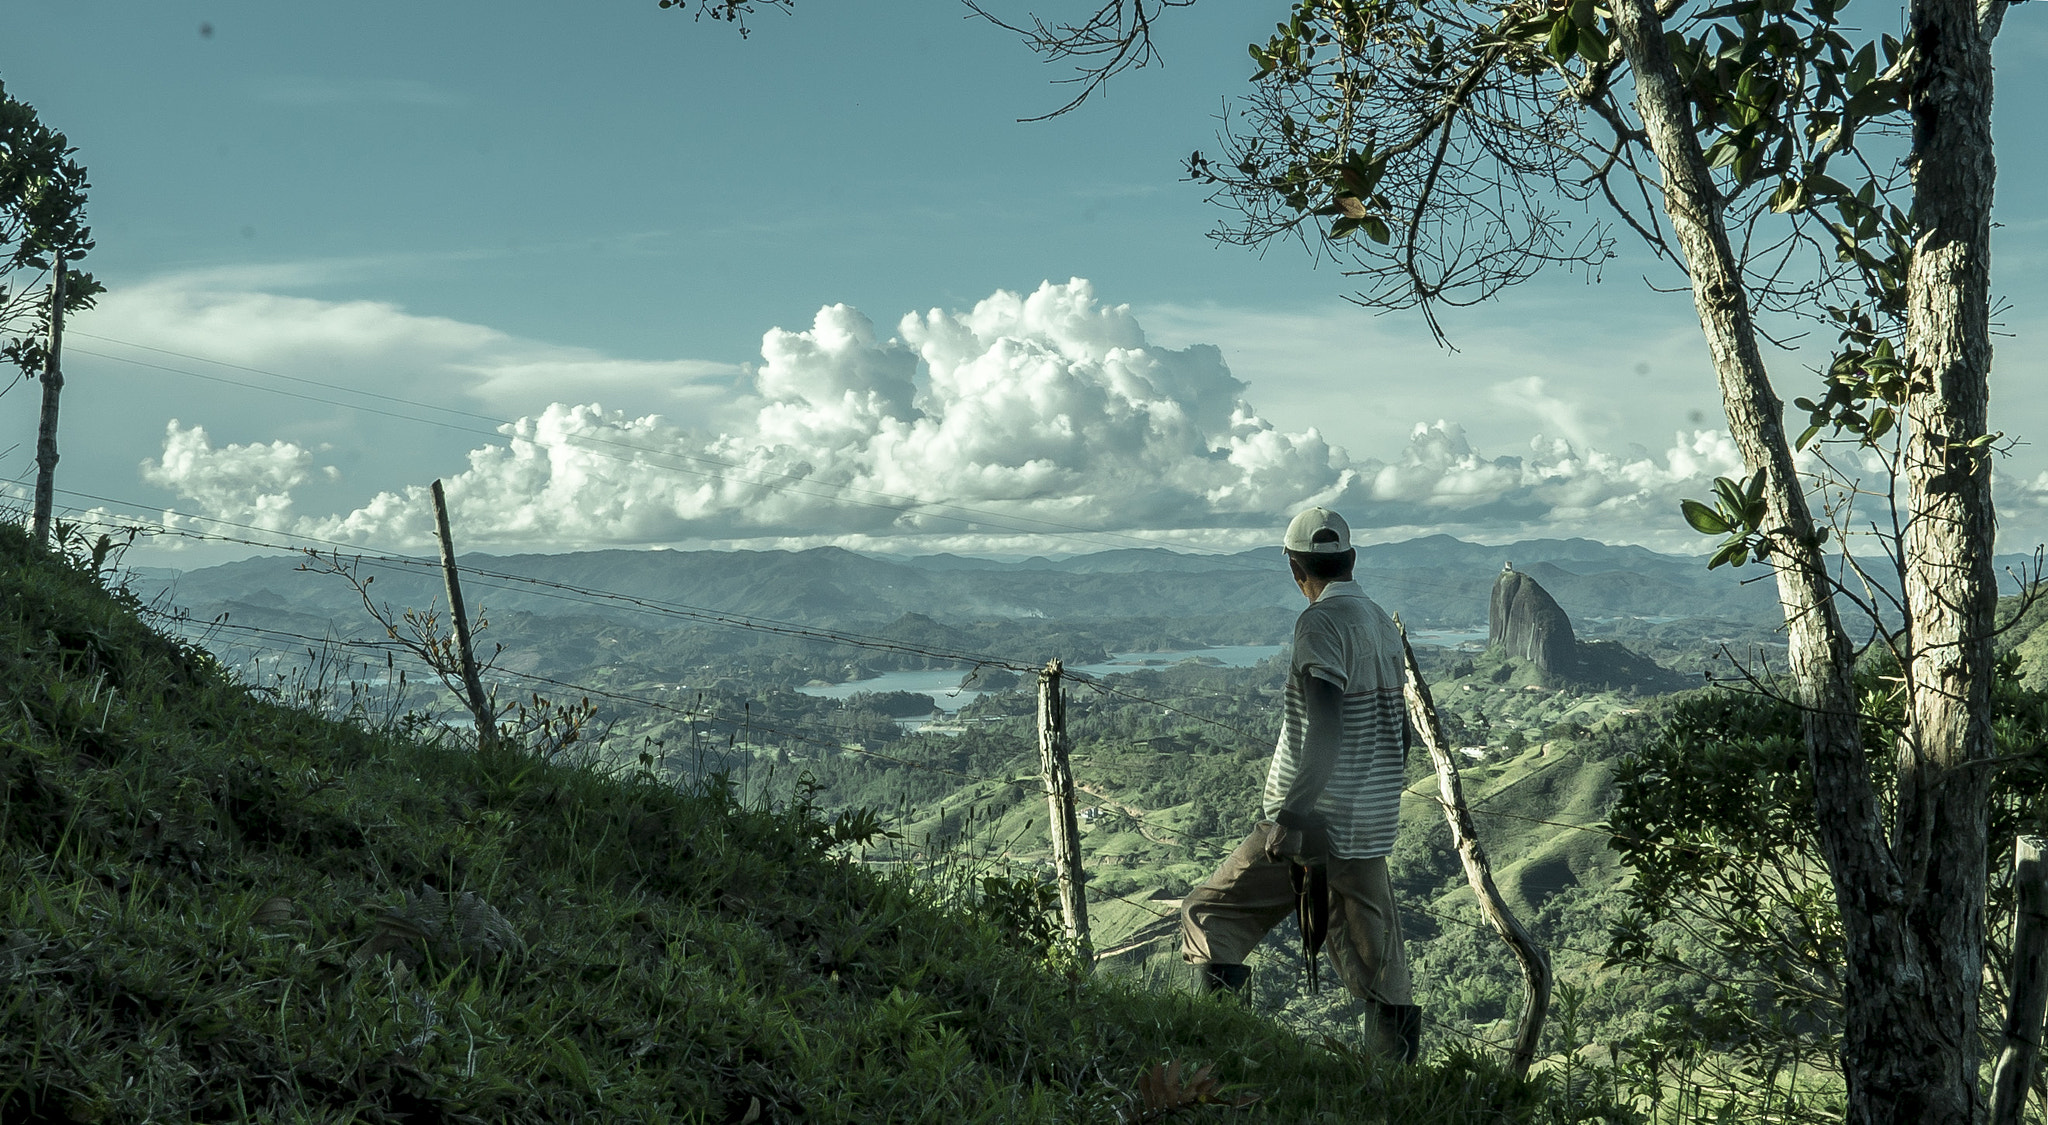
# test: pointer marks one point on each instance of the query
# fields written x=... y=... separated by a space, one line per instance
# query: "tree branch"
x=1116 y=37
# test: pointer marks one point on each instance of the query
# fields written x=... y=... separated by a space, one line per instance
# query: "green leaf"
x=1863 y=69
x=1592 y=45
x=1564 y=38
x=1753 y=494
x=1733 y=551
x=1730 y=494
x=1744 y=165
x=1376 y=229
x=1806 y=437
x=1360 y=174
x=1703 y=519
x=1826 y=185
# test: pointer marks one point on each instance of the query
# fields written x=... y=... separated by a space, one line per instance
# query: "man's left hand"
x=1283 y=843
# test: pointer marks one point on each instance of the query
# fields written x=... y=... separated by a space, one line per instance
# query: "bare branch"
x=1424 y=142
x=1116 y=37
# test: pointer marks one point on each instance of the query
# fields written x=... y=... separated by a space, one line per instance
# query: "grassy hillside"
x=221 y=908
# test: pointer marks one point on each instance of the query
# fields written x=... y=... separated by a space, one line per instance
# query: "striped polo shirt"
x=1347 y=640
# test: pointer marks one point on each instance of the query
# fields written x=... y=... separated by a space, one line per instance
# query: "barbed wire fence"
x=712 y=718
x=968 y=659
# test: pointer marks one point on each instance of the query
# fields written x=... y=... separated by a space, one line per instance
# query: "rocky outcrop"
x=1526 y=627
x=1525 y=622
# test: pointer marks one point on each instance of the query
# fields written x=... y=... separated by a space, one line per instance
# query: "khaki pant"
x=1223 y=920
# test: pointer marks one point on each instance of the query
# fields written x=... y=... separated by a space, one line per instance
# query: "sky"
x=621 y=278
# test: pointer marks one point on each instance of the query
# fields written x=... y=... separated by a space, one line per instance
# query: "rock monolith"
x=1526 y=622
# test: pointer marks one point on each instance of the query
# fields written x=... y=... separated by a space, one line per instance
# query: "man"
x=1332 y=799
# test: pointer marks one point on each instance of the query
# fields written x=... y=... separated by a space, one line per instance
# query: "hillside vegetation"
x=223 y=908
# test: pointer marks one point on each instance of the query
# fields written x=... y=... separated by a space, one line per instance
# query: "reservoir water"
x=943 y=684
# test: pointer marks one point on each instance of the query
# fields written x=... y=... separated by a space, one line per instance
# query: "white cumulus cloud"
x=1028 y=414
x=1041 y=421
x=248 y=483
x=1441 y=483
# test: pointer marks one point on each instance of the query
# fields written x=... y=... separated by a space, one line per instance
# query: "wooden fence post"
x=53 y=383
x=2026 y=984
x=1478 y=870
x=1059 y=797
x=479 y=703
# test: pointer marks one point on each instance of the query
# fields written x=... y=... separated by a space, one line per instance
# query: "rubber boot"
x=1394 y=1031
x=1216 y=977
x=1408 y=1017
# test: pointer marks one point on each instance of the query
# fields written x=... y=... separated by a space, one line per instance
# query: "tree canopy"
x=42 y=213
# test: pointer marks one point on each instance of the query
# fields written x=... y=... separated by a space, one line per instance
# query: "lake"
x=943 y=684
x=1449 y=638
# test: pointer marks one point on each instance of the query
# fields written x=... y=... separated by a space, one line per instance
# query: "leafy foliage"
x=1444 y=129
x=42 y=214
x=1739 y=513
x=1715 y=821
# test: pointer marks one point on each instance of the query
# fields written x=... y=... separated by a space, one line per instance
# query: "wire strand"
x=586 y=595
x=727 y=718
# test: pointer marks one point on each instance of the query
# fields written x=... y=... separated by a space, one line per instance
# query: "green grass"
x=216 y=910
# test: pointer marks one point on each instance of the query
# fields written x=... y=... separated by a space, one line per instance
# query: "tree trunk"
x=1914 y=932
x=53 y=385
x=1950 y=584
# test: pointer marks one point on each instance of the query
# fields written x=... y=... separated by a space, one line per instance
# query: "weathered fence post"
x=53 y=383
x=479 y=703
x=2026 y=984
x=1478 y=871
x=1059 y=797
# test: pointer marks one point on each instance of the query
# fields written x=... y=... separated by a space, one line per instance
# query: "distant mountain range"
x=1437 y=581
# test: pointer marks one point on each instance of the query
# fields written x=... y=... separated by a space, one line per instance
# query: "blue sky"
x=519 y=210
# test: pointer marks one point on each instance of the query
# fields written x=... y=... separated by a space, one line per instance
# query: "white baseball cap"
x=1318 y=531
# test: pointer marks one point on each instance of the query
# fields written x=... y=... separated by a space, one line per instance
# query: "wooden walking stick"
x=1534 y=962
